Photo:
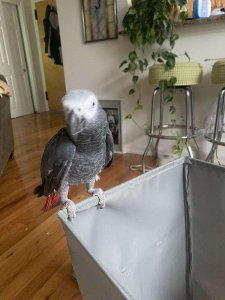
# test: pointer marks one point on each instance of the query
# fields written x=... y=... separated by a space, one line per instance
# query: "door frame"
x=39 y=47
x=27 y=51
x=37 y=37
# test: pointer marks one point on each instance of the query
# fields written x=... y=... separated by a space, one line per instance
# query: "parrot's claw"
x=101 y=197
x=70 y=208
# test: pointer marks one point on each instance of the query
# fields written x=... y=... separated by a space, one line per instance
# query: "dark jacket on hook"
x=52 y=35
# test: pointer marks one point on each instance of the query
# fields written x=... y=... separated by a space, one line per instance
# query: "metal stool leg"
x=187 y=144
x=190 y=122
x=210 y=156
x=218 y=127
x=152 y=122
x=222 y=116
x=189 y=127
x=145 y=154
x=160 y=122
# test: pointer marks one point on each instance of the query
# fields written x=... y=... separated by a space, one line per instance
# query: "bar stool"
x=187 y=74
x=217 y=77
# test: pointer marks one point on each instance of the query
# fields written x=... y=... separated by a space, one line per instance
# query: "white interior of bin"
x=151 y=242
x=139 y=237
x=207 y=230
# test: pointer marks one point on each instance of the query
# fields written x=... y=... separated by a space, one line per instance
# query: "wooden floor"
x=34 y=261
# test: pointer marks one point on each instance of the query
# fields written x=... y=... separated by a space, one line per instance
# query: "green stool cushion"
x=218 y=72
x=186 y=73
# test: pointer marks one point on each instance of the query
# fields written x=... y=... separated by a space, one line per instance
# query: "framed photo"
x=113 y=112
x=99 y=20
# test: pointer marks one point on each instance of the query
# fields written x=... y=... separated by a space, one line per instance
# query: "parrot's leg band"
x=101 y=197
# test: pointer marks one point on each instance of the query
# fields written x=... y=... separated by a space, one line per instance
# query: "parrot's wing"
x=56 y=161
x=109 y=148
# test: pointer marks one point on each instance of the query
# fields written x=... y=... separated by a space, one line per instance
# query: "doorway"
x=15 y=67
x=46 y=12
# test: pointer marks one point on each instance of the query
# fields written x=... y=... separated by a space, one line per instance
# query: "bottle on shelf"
x=201 y=9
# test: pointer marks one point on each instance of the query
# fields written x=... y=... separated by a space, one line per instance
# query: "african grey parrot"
x=77 y=153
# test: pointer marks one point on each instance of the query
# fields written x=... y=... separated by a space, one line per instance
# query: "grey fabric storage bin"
x=161 y=236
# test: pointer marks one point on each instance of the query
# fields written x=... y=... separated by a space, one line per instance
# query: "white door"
x=13 y=60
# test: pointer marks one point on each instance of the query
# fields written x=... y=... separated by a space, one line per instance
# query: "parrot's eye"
x=93 y=104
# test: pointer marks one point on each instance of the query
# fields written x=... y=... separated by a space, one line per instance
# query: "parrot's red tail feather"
x=53 y=200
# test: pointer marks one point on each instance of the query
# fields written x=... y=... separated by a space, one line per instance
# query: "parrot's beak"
x=70 y=117
x=76 y=120
x=75 y=124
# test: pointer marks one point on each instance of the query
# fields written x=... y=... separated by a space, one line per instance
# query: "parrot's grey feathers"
x=56 y=161
x=77 y=153
x=109 y=148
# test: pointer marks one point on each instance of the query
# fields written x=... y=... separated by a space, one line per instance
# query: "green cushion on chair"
x=218 y=72
x=186 y=73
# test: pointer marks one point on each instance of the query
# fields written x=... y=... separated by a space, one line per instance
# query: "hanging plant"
x=150 y=23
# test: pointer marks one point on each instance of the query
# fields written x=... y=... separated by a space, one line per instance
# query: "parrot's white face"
x=80 y=105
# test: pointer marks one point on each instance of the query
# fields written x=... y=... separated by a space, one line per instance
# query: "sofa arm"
x=6 y=131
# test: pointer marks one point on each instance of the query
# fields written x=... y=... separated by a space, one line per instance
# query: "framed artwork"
x=113 y=112
x=99 y=20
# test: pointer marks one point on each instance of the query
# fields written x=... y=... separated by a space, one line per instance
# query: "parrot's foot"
x=70 y=208
x=101 y=197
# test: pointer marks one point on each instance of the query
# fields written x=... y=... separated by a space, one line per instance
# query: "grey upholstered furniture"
x=6 y=132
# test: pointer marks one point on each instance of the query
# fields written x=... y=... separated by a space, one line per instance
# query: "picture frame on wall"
x=113 y=113
x=99 y=20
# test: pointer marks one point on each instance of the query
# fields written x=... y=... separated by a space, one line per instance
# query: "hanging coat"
x=52 y=35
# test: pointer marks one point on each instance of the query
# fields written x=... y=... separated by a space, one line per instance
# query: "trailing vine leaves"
x=132 y=65
x=148 y=23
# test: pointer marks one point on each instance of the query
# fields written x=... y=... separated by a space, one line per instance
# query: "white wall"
x=95 y=66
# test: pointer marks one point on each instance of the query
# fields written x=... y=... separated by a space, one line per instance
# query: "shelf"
x=212 y=19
